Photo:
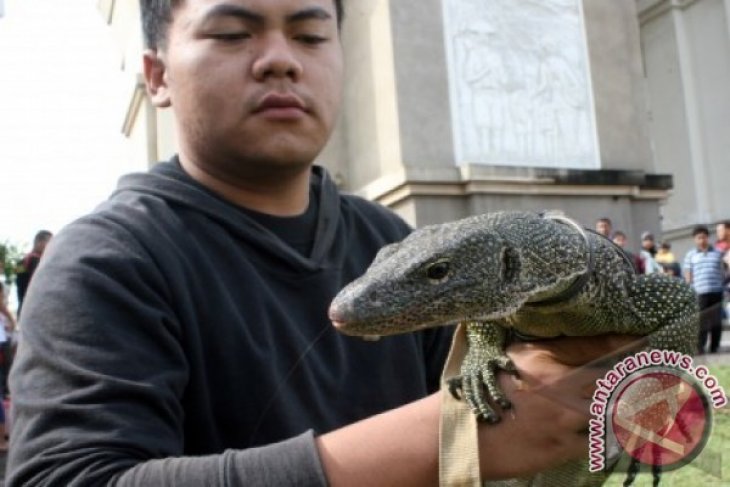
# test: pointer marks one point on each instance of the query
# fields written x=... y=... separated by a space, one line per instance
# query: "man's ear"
x=155 y=74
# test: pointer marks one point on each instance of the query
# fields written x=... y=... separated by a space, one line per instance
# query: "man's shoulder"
x=691 y=252
x=29 y=259
x=119 y=226
x=123 y=215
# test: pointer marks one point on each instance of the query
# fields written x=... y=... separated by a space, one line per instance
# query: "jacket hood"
x=169 y=182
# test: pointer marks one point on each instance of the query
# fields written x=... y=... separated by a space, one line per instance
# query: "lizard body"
x=507 y=273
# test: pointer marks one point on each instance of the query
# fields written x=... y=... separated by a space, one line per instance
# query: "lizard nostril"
x=374 y=299
x=510 y=264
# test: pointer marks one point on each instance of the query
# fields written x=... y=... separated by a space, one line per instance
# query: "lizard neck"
x=576 y=286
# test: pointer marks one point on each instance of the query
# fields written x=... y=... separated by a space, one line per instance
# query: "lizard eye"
x=438 y=271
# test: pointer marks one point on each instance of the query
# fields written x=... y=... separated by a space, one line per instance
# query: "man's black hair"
x=700 y=229
x=157 y=15
x=42 y=236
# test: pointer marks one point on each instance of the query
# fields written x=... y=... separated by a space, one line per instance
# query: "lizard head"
x=480 y=268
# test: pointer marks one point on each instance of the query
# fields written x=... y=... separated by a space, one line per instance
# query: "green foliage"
x=10 y=257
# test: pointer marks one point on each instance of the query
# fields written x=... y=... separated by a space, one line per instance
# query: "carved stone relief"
x=519 y=82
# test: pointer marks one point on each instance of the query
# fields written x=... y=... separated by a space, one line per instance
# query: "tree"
x=10 y=257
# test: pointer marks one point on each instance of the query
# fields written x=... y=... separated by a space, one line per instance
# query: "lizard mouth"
x=340 y=325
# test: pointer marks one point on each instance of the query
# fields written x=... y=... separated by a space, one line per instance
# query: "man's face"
x=41 y=245
x=255 y=84
x=603 y=227
x=647 y=243
x=702 y=240
x=620 y=240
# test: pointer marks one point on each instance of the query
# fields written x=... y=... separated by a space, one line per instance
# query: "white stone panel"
x=519 y=83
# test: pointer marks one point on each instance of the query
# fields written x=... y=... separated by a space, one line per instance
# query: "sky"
x=62 y=95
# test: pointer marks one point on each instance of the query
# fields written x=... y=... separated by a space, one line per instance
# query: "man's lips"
x=281 y=104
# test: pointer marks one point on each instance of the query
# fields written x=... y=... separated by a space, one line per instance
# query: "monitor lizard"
x=513 y=275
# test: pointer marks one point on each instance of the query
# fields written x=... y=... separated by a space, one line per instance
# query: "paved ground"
x=722 y=358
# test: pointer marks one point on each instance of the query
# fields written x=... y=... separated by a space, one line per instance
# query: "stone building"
x=455 y=107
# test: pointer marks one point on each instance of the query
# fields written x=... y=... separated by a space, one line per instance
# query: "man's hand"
x=548 y=422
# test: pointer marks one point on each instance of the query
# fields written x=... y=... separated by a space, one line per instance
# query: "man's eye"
x=231 y=36
x=311 y=39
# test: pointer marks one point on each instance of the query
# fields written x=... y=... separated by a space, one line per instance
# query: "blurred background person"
x=604 y=227
x=703 y=270
x=620 y=239
x=722 y=234
x=30 y=263
x=7 y=326
x=647 y=252
x=666 y=258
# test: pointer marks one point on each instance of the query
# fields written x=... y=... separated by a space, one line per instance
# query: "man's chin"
x=270 y=167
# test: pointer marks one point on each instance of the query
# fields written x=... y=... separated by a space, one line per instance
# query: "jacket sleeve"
x=99 y=376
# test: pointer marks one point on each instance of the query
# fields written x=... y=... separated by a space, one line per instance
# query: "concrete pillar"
x=691 y=103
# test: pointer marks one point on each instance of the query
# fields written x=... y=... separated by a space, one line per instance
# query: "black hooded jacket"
x=169 y=332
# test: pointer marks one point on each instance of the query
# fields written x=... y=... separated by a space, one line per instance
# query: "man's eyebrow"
x=316 y=13
x=228 y=10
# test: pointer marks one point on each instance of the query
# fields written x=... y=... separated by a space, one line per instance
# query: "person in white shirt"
x=7 y=326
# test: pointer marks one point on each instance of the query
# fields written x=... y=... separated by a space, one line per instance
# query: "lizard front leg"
x=485 y=357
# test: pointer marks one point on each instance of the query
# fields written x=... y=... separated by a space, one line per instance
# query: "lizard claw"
x=483 y=412
x=479 y=385
x=476 y=398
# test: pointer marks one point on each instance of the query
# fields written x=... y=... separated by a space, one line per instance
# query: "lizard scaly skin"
x=507 y=273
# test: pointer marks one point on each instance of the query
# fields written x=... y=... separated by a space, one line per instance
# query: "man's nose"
x=276 y=58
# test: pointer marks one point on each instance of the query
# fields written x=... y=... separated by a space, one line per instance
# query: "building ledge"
x=137 y=96
x=106 y=8
x=479 y=179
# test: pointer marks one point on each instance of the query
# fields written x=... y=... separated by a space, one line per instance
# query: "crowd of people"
x=706 y=267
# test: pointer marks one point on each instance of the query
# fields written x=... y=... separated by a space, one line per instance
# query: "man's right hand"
x=548 y=422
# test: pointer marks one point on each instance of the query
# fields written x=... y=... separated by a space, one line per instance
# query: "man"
x=604 y=227
x=183 y=323
x=29 y=264
x=704 y=272
x=620 y=239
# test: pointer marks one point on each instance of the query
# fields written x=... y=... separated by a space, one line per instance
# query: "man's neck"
x=282 y=195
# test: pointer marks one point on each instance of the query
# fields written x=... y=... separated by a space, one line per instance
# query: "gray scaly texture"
x=536 y=275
